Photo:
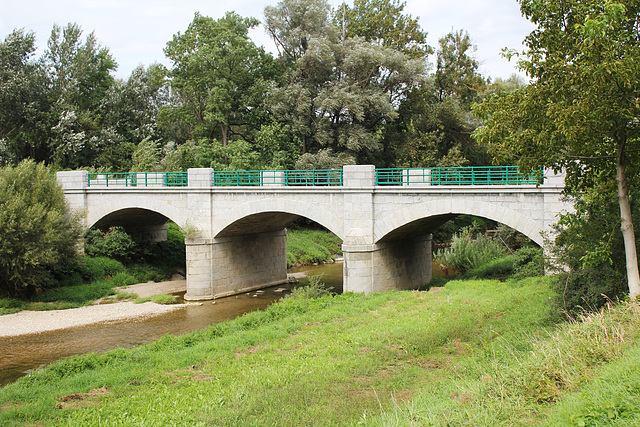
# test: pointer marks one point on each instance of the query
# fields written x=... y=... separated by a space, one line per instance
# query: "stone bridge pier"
x=236 y=235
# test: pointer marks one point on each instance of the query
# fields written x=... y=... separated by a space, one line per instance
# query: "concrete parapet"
x=71 y=180
x=359 y=176
x=553 y=179
x=199 y=177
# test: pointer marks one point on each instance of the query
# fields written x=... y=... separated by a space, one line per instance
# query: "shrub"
x=468 y=252
x=529 y=262
x=164 y=299
x=315 y=289
x=82 y=294
x=171 y=252
x=38 y=232
x=123 y=280
x=306 y=246
x=495 y=269
x=99 y=267
x=115 y=243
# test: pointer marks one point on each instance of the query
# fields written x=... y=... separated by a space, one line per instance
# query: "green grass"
x=158 y=299
x=305 y=246
x=477 y=353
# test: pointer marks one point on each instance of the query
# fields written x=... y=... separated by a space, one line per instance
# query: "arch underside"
x=131 y=218
x=425 y=218
x=267 y=215
x=263 y=222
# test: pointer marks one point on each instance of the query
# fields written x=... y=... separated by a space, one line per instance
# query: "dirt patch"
x=149 y=289
x=75 y=399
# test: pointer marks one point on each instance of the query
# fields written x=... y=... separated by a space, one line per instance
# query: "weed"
x=164 y=299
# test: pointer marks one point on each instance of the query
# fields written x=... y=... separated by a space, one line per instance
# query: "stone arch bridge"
x=236 y=221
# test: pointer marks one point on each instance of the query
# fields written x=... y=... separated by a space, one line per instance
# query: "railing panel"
x=137 y=179
x=475 y=175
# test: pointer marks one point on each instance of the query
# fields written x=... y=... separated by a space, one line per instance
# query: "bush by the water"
x=314 y=289
x=469 y=250
x=38 y=232
x=117 y=244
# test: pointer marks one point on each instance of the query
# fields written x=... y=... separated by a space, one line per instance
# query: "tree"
x=24 y=100
x=80 y=77
x=339 y=94
x=581 y=111
x=456 y=73
x=293 y=23
x=385 y=23
x=38 y=234
x=219 y=75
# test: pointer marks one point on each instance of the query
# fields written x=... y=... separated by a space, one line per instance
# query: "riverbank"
x=476 y=353
x=33 y=322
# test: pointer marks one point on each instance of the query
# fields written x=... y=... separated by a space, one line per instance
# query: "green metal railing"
x=475 y=175
x=137 y=179
x=311 y=178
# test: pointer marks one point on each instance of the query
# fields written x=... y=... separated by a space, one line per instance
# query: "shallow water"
x=19 y=355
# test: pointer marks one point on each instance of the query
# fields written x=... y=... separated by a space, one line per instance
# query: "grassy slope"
x=395 y=358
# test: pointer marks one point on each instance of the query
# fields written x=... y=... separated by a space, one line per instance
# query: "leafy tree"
x=340 y=94
x=219 y=75
x=589 y=243
x=580 y=111
x=293 y=23
x=38 y=234
x=128 y=115
x=24 y=100
x=456 y=73
x=385 y=23
x=80 y=77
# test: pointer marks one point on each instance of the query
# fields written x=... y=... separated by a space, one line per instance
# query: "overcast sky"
x=136 y=31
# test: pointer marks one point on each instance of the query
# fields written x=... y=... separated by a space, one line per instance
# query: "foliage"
x=315 y=289
x=122 y=280
x=38 y=233
x=529 y=262
x=456 y=75
x=590 y=247
x=383 y=22
x=580 y=112
x=97 y=268
x=469 y=251
x=306 y=246
x=499 y=268
x=115 y=244
x=219 y=76
x=80 y=295
x=338 y=93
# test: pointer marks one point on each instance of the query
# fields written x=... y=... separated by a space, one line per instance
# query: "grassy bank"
x=473 y=353
x=306 y=246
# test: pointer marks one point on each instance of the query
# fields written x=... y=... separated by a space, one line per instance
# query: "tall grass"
x=469 y=251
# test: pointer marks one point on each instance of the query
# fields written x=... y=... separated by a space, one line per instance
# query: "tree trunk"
x=626 y=225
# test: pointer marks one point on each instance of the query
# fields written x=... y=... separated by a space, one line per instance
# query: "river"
x=19 y=355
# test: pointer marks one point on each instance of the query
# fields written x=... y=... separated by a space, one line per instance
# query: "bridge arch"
x=437 y=212
x=281 y=211
x=120 y=207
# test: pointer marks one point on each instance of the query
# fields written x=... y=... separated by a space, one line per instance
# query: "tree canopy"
x=580 y=112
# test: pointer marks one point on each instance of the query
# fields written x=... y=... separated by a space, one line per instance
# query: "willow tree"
x=581 y=111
